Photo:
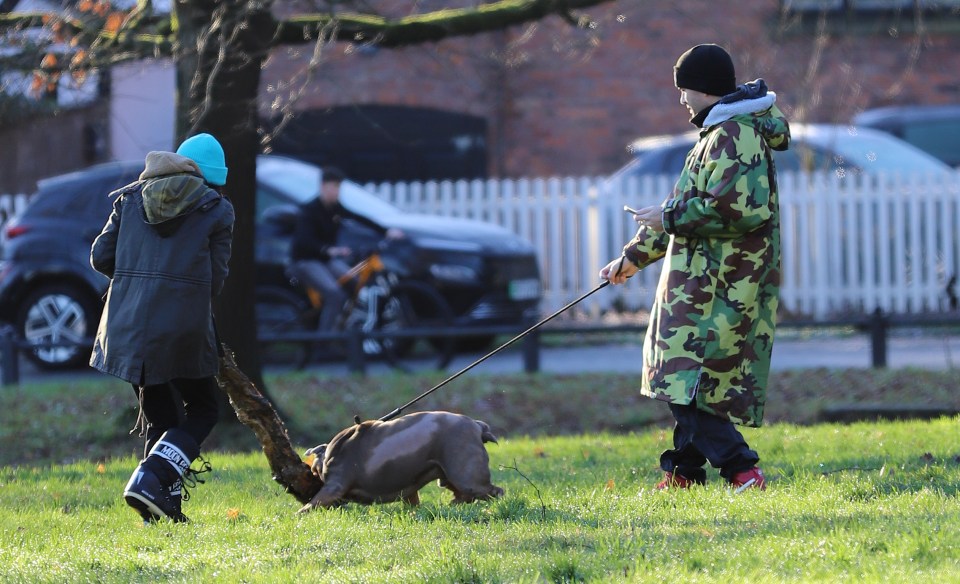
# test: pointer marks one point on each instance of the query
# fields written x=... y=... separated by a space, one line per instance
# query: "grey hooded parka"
x=165 y=249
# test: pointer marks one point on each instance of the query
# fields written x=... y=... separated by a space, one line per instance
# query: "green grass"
x=866 y=502
x=869 y=502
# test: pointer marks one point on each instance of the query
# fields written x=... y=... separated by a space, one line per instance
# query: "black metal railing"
x=876 y=325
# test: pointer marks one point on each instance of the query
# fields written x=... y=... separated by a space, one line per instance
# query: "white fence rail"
x=850 y=245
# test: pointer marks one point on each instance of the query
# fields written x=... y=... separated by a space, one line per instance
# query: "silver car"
x=842 y=149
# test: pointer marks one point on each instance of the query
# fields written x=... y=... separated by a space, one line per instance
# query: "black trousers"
x=188 y=404
x=700 y=437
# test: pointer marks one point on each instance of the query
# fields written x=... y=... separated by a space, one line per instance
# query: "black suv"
x=50 y=294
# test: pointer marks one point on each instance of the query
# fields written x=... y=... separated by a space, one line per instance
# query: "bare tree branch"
x=144 y=35
x=432 y=26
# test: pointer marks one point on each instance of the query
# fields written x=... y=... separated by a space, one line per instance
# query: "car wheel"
x=57 y=314
x=413 y=305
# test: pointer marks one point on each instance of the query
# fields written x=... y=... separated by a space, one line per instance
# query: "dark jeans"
x=188 y=404
x=698 y=438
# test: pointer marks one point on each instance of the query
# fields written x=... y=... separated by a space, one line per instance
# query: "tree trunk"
x=256 y=412
x=219 y=58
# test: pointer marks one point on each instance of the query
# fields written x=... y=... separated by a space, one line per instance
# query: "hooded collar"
x=698 y=119
x=172 y=187
x=749 y=98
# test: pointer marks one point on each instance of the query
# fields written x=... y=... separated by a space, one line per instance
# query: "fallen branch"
x=257 y=413
x=543 y=506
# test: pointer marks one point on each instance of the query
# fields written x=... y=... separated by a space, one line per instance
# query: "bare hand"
x=339 y=252
x=394 y=233
x=618 y=270
x=651 y=217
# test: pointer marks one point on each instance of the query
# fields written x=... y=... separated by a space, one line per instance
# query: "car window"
x=939 y=138
x=801 y=157
x=668 y=160
x=637 y=167
x=53 y=202
x=87 y=197
x=295 y=181
x=868 y=150
x=266 y=198
x=813 y=148
x=288 y=181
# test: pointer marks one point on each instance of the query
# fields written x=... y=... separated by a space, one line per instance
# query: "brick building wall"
x=566 y=100
x=41 y=146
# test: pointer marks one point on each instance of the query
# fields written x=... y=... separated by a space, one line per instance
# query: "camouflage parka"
x=711 y=328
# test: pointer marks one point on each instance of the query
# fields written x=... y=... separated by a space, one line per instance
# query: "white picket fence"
x=850 y=245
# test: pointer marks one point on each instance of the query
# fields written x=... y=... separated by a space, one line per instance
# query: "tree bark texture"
x=257 y=413
x=219 y=57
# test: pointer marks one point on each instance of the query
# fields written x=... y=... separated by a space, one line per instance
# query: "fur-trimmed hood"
x=754 y=104
x=749 y=98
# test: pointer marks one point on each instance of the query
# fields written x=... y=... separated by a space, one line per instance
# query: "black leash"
x=397 y=411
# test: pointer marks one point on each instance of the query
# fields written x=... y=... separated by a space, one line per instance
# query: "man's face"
x=695 y=101
x=329 y=192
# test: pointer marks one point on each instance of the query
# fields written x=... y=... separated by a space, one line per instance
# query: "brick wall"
x=43 y=146
x=562 y=100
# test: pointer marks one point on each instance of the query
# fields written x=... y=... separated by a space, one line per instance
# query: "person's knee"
x=209 y=414
x=335 y=295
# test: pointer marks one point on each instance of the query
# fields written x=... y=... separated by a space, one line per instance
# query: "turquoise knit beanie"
x=208 y=154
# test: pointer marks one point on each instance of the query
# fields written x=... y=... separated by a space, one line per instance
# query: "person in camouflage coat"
x=709 y=342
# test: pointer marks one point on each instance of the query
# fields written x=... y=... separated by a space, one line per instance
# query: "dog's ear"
x=361 y=425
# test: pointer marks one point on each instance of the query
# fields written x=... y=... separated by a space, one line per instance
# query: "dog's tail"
x=485 y=434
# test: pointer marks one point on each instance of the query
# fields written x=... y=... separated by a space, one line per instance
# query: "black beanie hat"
x=707 y=69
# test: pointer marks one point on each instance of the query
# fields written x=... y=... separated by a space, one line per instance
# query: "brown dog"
x=382 y=462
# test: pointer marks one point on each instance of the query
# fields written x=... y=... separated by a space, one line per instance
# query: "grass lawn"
x=865 y=502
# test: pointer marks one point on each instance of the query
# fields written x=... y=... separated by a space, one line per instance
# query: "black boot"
x=176 y=489
x=149 y=488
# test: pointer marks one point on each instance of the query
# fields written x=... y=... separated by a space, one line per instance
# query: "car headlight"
x=454 y=273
